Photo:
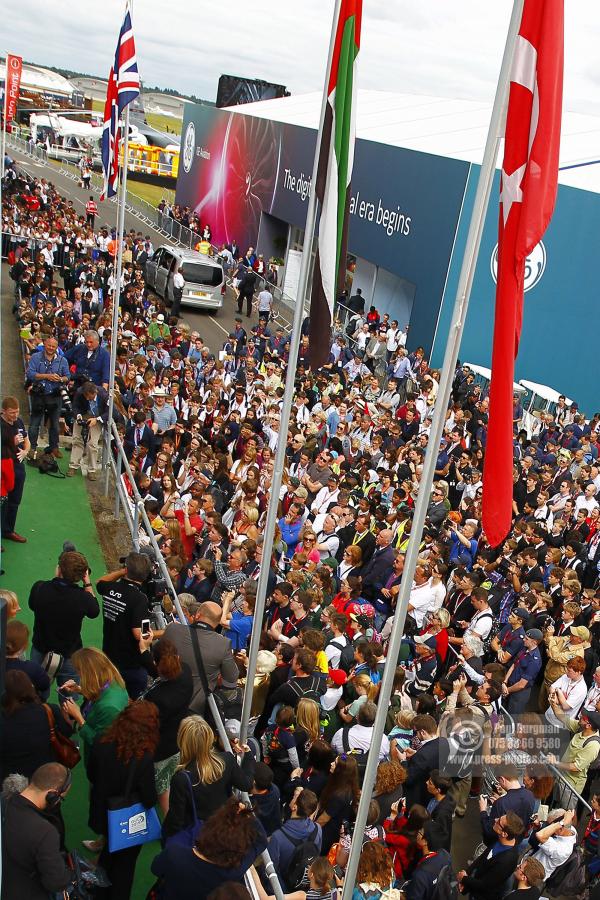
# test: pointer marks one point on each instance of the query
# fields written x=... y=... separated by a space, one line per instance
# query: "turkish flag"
x=527 y=197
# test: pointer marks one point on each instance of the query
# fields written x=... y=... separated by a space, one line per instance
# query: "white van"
x=204 y=277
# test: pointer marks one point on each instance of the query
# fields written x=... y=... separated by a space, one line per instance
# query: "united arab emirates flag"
x=334 y=174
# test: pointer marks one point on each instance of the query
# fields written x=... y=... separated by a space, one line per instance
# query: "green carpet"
x=52 y=511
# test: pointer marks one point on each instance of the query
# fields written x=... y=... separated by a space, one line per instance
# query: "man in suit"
x=138 y=433
x=432 y=754
x=214 y=650
x=359 y=533
x=379 y=568
x=487 y=875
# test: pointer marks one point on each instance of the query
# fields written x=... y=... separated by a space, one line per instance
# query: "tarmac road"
x=212 y=327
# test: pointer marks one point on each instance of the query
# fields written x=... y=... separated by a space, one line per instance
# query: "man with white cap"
x=164 y=416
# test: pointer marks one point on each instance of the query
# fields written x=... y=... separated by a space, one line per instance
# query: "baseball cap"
x=592 y=716
x=301 y=492
x=428 y=639
x=338 y=676
x=160 y=318
x=535 y=634
x=580 y=631
x=521 y=612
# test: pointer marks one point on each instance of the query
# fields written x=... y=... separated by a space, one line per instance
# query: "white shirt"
x=555 y=851
x=324 y=499
x=423 y=598
x=592 y=697
x=360 y=737
x=481 y=624
x=575 y=693
x=333 y=652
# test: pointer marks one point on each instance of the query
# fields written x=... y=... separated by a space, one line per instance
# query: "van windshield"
x=196 y=273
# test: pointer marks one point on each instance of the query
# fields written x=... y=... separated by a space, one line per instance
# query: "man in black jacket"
x=487 y=875
x=432 y=754
x=59 y=607
x=246 y=290
x=32 y=864
x=438 y=828
x=379 y=568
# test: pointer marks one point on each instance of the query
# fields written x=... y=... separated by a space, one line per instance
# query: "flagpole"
x=286 y=408
x=469 y=263
x=117 y=295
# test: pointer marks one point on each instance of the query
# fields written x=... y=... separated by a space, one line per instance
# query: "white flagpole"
x=271 y=520
x=484 y=186
x=117 y=293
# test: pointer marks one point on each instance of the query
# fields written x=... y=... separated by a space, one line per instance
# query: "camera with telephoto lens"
x=155 y=588
x=84 y=423
x=66 y=400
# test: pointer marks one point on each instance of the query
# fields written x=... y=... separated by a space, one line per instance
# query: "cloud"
x=438 y=47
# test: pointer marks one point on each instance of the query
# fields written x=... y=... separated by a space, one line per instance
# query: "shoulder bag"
x=65 y=751
x=129 y=822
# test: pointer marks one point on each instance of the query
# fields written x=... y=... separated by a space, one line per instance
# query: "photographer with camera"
x=47 y=373
x=125 y=610
x=90 y=407
x=59 y=607
x=91 y=361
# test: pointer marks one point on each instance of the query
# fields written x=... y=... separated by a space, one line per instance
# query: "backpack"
x=446 y=885
x=361 y=756
x=570 y=878
x=272 y=748
x=313 y=693
x=47 y=465
x=595 y=765
x=305 y=852
x=347 y=661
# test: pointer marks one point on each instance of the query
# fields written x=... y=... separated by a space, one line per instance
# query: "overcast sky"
x=442 y=47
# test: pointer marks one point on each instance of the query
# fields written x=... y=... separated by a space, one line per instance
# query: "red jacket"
x=404 y=850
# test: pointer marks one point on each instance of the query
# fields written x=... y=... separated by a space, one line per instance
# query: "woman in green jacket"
x=104 y=695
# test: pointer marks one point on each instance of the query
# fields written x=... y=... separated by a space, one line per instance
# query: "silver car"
x=204 y=278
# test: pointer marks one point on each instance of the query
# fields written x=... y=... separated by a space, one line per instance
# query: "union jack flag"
x=123 y=87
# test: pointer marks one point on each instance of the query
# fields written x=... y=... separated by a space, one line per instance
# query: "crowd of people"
x=496 y=700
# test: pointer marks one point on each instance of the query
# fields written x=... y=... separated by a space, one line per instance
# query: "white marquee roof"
x=439 y=125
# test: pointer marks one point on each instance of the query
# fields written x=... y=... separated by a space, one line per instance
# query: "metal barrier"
x=565 y=795
x=135 y=520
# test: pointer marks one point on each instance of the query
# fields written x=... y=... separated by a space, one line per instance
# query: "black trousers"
x=10 y=507
x=120 y=868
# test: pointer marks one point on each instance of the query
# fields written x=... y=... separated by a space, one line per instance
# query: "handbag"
x=130 y=824
x=65 y=751
x=187 y=836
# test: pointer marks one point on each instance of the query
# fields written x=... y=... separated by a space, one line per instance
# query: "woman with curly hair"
x=121 y=761
x=388 y=787
x=224 y=850
x=375 y=874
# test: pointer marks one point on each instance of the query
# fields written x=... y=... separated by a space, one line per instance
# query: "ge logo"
x=189 y=147
x=534 y=266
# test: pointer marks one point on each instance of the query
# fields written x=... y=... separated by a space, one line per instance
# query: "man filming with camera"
x=124 y=610
x=90 y=408
x=48 y=374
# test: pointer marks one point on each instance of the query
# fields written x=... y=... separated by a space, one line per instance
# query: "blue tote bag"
x=129 y=822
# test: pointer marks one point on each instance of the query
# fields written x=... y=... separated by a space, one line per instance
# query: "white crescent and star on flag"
x=523 y=73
